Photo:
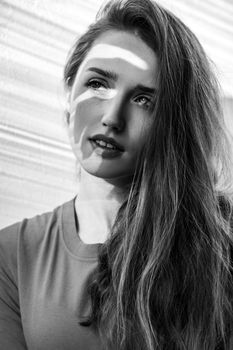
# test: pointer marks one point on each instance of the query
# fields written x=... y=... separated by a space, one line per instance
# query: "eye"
x=143 y=101
x=96 y=84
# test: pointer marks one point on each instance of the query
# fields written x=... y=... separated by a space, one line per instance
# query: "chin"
x=109 y=173
x=103 y=172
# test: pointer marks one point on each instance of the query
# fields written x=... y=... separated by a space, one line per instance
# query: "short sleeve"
x=11 y=331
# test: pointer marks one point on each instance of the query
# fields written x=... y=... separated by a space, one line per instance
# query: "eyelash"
x=147 y=104
x=93 y=82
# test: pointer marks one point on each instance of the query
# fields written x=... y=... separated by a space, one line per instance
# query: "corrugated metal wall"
x=37 y=168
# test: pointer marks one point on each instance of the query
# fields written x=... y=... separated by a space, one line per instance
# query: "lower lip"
x=107 y=153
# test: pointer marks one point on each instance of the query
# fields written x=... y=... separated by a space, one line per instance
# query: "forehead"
x=125 y=52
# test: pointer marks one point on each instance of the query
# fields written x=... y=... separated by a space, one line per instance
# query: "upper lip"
x=107 y=139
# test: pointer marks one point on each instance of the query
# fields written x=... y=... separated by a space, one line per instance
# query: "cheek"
x=139 y=131
x=79 y=122
x=85 y=111
x=81 y=118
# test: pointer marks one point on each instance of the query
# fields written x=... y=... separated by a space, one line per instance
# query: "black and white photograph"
x=116 y=175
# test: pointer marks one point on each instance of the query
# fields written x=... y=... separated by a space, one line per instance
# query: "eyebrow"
x=106 y=73
x=145 y=89
x=113 y=76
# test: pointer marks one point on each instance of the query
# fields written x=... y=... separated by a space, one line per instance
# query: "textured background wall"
x=37 y=168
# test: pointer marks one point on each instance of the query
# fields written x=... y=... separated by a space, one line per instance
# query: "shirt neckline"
x=73 y=243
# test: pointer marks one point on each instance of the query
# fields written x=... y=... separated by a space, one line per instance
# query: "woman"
x=141 y=258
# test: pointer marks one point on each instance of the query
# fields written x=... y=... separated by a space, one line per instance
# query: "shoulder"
x=32 y=228
x=29 y=233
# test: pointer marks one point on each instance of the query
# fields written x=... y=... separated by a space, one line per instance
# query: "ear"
x=69 y=125
x=67 y=107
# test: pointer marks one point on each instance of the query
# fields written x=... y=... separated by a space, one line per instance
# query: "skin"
x=114 y=106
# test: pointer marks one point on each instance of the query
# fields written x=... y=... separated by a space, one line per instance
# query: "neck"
x=94 y=188
x=97 y=205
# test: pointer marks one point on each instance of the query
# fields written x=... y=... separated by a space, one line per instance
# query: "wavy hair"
x=164 y=276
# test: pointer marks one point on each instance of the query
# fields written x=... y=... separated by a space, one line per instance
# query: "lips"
x=104 y=141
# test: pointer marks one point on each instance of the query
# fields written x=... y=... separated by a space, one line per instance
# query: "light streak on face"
x=106 y=51
x=105 y=95
x=131 y=63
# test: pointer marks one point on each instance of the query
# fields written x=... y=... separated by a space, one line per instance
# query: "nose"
x=113 y=116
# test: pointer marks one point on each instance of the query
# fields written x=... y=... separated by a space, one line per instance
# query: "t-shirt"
x=45 y=269
x=44 y=273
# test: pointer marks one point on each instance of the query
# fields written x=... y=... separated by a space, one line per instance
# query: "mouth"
x=106 y=143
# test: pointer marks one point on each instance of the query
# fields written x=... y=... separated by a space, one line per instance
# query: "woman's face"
x=110 y=105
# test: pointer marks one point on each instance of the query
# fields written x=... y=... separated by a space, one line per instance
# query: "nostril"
x=118 y=126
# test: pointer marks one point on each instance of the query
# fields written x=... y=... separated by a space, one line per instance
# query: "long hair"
x=164 y=278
